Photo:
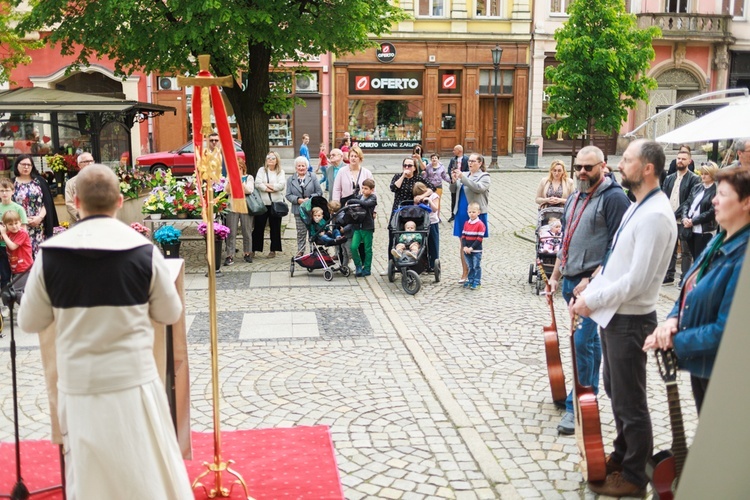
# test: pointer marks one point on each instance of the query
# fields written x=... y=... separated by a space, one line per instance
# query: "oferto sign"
x=385 y=82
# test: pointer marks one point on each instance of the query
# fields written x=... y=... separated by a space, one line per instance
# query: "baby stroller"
x=319 y=256
x=410 y=269
x=547 y=246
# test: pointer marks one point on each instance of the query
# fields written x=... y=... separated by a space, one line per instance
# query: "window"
x=433 y=8
x=737 y=8
x=385 y=120
x=559 y=6
x=487 y=8
x=677 y=6
x=487 y=81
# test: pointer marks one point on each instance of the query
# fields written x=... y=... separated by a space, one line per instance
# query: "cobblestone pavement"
x=439 y=395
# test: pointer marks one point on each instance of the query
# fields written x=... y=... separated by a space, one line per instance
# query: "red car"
x=180 y=161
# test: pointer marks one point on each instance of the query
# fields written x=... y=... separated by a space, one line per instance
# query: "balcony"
x=703 y=27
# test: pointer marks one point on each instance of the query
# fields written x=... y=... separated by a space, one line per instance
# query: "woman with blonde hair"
x=698 y=215
x=271 y=182
x=554 y=189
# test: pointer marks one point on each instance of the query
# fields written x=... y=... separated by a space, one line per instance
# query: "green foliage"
x=603 y=59
x=13 y=45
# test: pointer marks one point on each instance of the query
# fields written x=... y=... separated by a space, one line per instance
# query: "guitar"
x=665 y=467
x=552 y=349
x=588 y=425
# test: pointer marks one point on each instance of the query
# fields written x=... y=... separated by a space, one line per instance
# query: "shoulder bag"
x=255 y=205
x=278 y=208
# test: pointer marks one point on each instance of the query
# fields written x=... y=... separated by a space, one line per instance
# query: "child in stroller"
x=409 y=238
x=550 y=236
x=317 y=218
x=321 y=231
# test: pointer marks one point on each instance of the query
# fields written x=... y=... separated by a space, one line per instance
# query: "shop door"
x=307 y=120
x=485 y=126
x=449 y=121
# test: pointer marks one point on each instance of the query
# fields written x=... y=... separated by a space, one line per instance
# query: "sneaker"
x=228 y=261
x=248 y=259
x=617 y=486
x=612 y=465
x=395 y=254
x=366 y=272
x=475 y=287
x=358 y=272
x=271 y=255
x=410 y=254
x=567 y=425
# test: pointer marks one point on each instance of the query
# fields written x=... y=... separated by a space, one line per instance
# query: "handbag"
x=255 y=205
x=278 y=208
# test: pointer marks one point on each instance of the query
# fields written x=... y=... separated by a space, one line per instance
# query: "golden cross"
x=204 y=82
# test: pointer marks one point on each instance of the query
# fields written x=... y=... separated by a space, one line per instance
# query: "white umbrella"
x=730 y=122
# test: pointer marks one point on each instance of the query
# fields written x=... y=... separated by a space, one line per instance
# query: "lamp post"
x=497 y=55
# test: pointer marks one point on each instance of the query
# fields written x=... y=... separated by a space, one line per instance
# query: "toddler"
x=551 y=236
x=18 y=245
x=409 y=239
x=6 y=204
x=320 y=231
x=428 y=197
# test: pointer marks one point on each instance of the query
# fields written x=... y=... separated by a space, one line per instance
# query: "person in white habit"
x=102 y=283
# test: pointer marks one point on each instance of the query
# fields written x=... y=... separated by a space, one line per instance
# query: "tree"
x=13 y=46
x=245 y=38
x=603 y=58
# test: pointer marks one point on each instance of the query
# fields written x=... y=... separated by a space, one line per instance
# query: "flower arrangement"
x=141 y=229
x=158 y=203
x=167 y=235
x=56 y=163
x=132 y=181
x=220 y=231
x=171 y=196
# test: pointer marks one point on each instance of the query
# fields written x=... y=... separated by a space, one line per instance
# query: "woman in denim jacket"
x=696 y=324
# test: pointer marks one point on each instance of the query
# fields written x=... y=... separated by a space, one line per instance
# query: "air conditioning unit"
x=306 y=83
x=168 y=83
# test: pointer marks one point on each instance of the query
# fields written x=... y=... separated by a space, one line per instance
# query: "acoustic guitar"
x=587 y=423
x=665 y=467
x=552 y=348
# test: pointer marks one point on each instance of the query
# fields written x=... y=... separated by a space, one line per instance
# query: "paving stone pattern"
x=441 y=395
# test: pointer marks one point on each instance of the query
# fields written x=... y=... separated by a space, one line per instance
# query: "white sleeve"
x=164 y=304
x=36 y=313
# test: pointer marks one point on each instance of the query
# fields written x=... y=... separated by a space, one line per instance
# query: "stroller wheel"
x=391 y=271
x=309 y=270
x=328 y=275
x=291 y=269
x=410 y=282
x=436 y=270
x=345 y=271
x=531 y=273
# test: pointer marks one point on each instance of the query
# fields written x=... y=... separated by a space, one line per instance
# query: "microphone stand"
x=20 y=491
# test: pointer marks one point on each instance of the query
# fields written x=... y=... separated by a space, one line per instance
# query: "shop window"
x=448 y=116
x=488 y=8
x=433 y=8
x=487 y=81
x=280 y=130
x=559 y=6
x=677 y=6
x=449 y=81
x=385 y=124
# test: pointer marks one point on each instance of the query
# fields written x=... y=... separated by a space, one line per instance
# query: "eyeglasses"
x=24 y=164
x=588 y=168
x=473 y=161
x=85 y=162
x=213 y=140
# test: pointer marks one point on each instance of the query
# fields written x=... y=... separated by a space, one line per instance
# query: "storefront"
x=437 y=94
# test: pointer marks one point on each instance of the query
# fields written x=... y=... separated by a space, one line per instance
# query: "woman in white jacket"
x=271 y=182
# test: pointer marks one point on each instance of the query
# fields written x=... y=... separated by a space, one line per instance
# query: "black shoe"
x=669 y=280
x=228 y=261
x=248 y=259
x=451 y=219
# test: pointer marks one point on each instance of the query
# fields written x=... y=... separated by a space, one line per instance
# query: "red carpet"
x=295 y=463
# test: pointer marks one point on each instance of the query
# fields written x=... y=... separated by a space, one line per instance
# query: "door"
x=486 y=126
x=307 y=121
x=448 y=121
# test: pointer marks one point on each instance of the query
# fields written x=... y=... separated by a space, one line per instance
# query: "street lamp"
x=497 y=55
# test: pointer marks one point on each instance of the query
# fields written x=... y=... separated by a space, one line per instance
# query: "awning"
x=729 y=122
x=41 y=100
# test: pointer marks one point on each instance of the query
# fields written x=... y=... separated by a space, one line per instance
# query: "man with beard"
x=628 y=287
x=592 y=215
x=677 y=187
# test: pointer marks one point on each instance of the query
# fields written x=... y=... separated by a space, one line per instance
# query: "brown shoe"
x=617 y=486
x=271 y=255
x=612 y=465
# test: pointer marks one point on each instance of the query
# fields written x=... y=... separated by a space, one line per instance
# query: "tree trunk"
x=248 y=107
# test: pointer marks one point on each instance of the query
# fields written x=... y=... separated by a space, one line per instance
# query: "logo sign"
x=448 y=82
x=386 y=52
x=385 y=82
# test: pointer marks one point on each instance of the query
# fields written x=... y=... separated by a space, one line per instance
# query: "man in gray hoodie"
x=592 y=216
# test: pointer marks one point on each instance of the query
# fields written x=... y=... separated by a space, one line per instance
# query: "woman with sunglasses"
x=33 y=194
x=554 y=189
x=271 y=182
x=402 y=187
x=471 y=187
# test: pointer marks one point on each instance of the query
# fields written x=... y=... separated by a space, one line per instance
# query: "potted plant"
x=158 y=204
x=169 y=238
x=221 y=232
x=57 y=164
x=141 y=229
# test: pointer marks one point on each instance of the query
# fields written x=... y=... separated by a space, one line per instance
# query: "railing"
x=687 y=24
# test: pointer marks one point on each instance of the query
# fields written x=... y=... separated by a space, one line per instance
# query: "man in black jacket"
x=459 y=160
x=677 y=187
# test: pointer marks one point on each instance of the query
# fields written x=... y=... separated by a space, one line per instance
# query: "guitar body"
x=661 y=470
x=588 y=425
x=552 y=350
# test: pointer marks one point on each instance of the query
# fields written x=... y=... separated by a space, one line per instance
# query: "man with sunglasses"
x=214 y=145
x=590 y=221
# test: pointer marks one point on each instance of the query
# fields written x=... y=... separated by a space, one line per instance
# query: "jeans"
x=588 y=347
x=433 y=245
x=474 y=263
x=625 y=384
x=329 y=238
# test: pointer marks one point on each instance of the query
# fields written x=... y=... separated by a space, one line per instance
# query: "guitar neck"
x=679 y=444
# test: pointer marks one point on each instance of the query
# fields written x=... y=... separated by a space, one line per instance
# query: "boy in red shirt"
x=18 y=245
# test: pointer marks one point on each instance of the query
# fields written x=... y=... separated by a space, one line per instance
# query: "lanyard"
x=568 y=236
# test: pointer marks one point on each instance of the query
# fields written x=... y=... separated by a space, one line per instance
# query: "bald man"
x=84 y=159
